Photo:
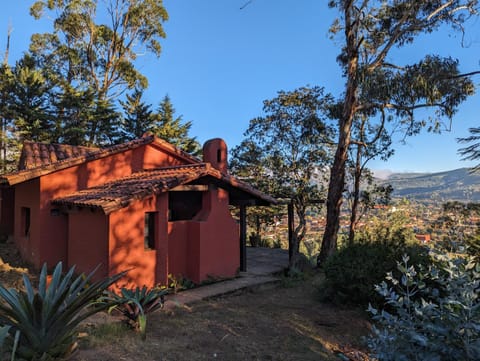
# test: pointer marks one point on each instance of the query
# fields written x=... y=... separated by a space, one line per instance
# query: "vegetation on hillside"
x=79 y=84
x=433 y=312
x=285 y=149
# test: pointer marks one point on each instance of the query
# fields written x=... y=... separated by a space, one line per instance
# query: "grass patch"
x=274 y=323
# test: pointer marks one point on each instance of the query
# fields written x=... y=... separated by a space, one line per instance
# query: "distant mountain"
x=458 y=184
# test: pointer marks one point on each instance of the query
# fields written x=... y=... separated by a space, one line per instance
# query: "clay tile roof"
x=120 y=193
x=47 y=168
x=41 y=154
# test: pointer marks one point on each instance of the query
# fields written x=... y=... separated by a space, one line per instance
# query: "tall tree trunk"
x=337 y=172
x=3 y=146
x=4 y=121
x=356 y=194
x=299 y=206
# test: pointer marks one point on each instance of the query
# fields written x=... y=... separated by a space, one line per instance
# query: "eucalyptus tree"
x=388 y=91
x=101 y=55
x=93 y=47
x=369 y=141
x=284 y=150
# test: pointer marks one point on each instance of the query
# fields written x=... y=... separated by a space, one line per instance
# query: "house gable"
x=145 y=150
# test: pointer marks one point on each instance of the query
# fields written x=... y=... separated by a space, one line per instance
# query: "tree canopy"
x=85 y=51
x=173 y=129
x=79 y=83
x=68 y=83
x=386 y=92
x=287 y=149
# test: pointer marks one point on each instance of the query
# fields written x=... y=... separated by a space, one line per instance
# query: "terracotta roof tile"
x=41 y=154
x=120 y=193
x=44 y=169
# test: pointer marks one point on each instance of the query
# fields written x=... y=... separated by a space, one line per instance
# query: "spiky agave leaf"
x=136 y=303
x=47 y=319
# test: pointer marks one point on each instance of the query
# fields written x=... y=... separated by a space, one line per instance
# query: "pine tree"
x=29 y=103
x=172 y=129
x=9 y=148
x=138 y=116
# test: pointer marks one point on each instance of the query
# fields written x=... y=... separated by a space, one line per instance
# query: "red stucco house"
x=143 y=206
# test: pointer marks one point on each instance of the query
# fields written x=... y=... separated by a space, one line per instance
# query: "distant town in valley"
x=418 y=198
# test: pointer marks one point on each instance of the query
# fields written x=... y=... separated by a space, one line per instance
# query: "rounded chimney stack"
x=215 y=153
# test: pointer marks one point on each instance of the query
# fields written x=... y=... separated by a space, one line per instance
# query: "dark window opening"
x=149 y=230
x=184 y=206
x=25 y=217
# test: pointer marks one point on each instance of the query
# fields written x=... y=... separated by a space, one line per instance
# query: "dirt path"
x=273 y=323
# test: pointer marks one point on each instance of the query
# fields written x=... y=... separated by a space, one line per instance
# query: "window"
x=25 y=217
x=149 y=230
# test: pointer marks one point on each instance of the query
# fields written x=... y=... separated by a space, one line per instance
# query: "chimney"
x=215 y=153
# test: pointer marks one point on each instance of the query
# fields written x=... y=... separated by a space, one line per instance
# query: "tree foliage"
x=173 y=129
x=65 y=87
x=472 y=150
x=29 y=103
x=9 y=146
x=458 y=228
x=93 y=54
x=435 y=311
x=286 y=149
x=364 y=195
x=69 y=86
x=388 y=93
x=138 y=115
x=369 y=141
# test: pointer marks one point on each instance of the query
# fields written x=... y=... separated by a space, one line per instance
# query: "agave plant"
x=41 y=324
x=136 y=303
x=3 y=337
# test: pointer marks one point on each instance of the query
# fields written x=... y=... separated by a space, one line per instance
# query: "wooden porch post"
x=291 y=226
x=243 y=238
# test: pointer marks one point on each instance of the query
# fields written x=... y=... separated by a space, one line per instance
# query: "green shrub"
x=179 y=283
x=353 y=271
x=256 y=240
x=473 y=247
x=429 y=323
x=136 y=303
x=42 y=324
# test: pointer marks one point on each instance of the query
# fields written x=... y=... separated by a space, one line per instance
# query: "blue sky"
x=219 y=63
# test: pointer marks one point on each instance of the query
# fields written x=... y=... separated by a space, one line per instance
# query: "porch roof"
x=118 y=194
x=44 y=164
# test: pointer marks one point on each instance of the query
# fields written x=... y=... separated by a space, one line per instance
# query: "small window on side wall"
x=149 y=230
x=25 y=217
